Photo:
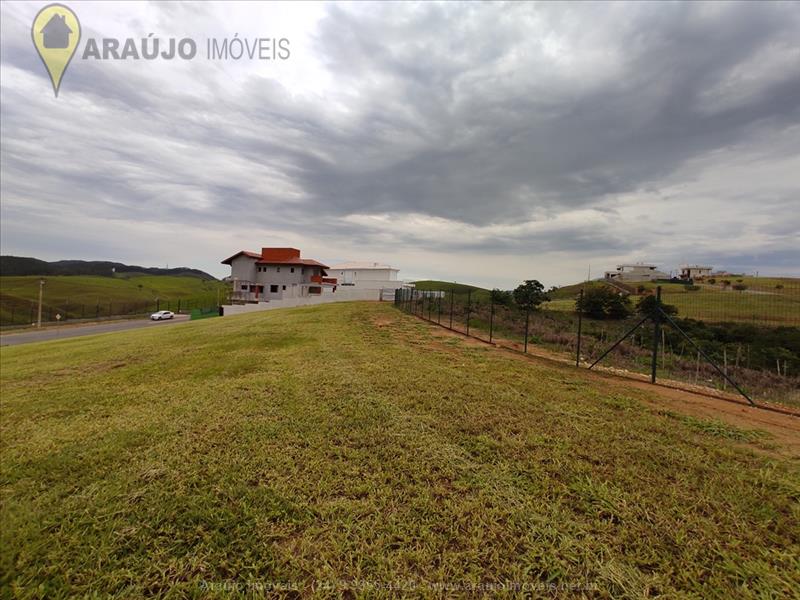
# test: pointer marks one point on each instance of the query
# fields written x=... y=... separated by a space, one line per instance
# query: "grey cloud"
x=457 y=111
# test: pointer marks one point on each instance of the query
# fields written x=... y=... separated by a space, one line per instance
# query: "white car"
x=162 y=314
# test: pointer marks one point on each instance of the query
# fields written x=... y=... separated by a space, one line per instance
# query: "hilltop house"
x=55 y=33
x=636 y=272
x=367 y=275
x=275 y=274
x=694 y=271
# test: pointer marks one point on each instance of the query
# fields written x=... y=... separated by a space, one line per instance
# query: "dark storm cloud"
x=472 y=115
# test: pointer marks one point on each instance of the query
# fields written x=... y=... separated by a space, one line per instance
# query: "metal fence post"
x=580 y=328
x=469 y=306
x=656 y=335
x=527 y=322
x=491 y=315
x=439 y=319
x=452 y=298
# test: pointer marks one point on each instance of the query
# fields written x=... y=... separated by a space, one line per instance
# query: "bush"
x=739 y=287
x=691 y=288
x=502 y=297
x=712 y=281
x=779 y=286
x=603 y=303
x=647 y=306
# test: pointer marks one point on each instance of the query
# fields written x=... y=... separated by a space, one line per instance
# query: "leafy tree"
x=647 y=306
x=504 y=297
x=603 y=303
x=530 y=294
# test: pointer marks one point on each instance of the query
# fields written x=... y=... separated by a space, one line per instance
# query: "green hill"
x=478 y=293
x=347 y=443
x=21 y=265
x=84 y=296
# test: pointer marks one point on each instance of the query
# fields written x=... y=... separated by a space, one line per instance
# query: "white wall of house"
x=365 y=275
x=341 y=295
x=636 y=272
x=278 y=281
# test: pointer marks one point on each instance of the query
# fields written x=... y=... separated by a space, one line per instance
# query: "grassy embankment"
x=767 y=300
x=86 y=295
x=349 y=442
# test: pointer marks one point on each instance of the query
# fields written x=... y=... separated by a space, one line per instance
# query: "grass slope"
x=90 y=290
x=327 y=446
x=479 y=294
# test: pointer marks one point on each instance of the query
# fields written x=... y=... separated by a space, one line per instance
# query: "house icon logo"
x=56 y=32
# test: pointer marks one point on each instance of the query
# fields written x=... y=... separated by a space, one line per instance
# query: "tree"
x=647 y=306
x=603 y=303
x=503 y=297
x=530 y=294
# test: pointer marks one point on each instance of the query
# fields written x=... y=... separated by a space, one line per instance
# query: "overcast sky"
x=483 y=143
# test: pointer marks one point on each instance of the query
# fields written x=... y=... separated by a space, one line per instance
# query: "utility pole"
x=41 y=289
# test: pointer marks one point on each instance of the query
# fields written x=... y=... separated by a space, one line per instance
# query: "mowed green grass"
x=342 y=449
x=88 y=291
x=125 y=287
x=762 y=302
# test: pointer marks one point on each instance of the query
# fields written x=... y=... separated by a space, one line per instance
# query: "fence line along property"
x=18 y=312
x=715 y=338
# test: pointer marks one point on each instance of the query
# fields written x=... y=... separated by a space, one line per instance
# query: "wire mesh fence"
x=706 y=336
x=17 y=312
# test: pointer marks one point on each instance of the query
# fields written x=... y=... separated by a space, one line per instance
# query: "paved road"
x=68 y=331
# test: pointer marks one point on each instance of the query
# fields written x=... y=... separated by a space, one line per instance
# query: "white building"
x=366 y=275
x=637 y=272
x=695 y=271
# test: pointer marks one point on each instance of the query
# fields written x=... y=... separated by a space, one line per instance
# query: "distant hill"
x=20 y=265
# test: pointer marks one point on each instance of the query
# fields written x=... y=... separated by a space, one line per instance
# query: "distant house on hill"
x=275 y=274
x=636 y=272
x=55 y=33
x=695 y=271
x=366 y=275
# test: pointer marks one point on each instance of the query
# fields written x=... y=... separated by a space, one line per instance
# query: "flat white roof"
x=349 y=266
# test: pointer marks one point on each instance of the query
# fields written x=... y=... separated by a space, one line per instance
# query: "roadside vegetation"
x=87 y=296
x=344 y=443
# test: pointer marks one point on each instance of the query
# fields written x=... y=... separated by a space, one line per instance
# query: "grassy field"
x=769 y=301
x=344 y=448
x=76 y=294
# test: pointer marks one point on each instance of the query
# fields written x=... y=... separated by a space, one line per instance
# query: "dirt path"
x=784 y=428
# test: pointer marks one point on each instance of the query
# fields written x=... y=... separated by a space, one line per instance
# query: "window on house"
x=302 y=270
x=244 y=287
x=284 y=287
x=273 y=289
x=292 y=269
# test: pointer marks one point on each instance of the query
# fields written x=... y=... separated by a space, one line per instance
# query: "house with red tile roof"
x=275 y=274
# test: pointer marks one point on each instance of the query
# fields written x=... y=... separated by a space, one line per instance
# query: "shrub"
x=712 y=280
x=726 y=282
x=691 y=288
x=647 y=306
x=603 y=303
x=502 y=297
x=779 y=286
x=739 y=287
x=530 y=294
